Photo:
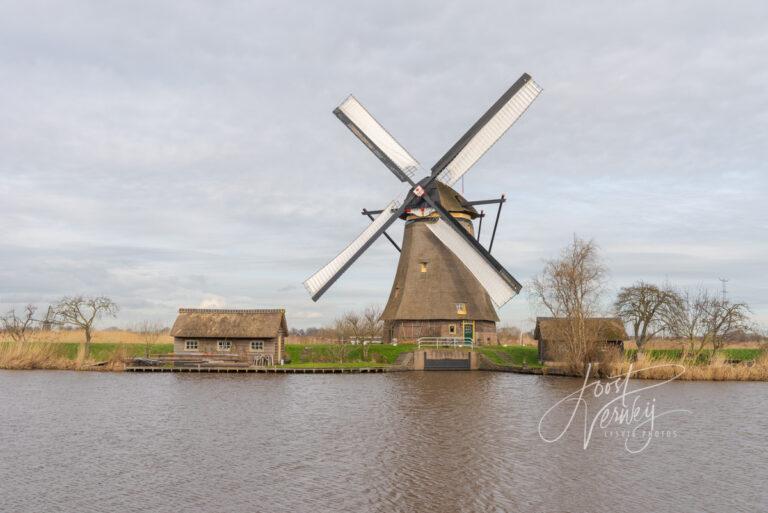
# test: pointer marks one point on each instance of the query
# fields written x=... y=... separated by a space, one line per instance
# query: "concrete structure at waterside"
x=551 y=334
x=247 y=335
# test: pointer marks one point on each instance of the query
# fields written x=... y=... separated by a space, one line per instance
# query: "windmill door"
x=469 y=332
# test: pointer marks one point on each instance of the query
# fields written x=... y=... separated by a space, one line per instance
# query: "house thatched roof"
x=554 y=329
x=217 y=323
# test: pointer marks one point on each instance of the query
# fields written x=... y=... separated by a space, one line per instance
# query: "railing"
x=364 y=340
x=453 y=342
x=262 y=360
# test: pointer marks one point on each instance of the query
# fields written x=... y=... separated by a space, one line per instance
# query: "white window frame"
x=223 y=345
x=257 y=342
x=188 y=345
x=461 y=308
x=451 y=329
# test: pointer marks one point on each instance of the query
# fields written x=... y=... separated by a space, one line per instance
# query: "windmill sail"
x=499 y=284
x=319 y=282
x=486 y=131
x=377 y=139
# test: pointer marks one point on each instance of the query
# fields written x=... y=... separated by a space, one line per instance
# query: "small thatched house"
x=253 y=335
x=551 y=333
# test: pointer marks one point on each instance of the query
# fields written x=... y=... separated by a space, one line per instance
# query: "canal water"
x=436 y=441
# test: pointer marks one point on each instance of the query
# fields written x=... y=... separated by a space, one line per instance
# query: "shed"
x=253 y=335
x=551 y=332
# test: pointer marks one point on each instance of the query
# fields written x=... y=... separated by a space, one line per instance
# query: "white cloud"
x=167 y=165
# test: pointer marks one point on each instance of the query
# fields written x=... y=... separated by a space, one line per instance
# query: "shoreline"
x=377 y=359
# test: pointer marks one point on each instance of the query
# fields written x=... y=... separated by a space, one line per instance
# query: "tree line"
x=351 y=325
x=572 y=288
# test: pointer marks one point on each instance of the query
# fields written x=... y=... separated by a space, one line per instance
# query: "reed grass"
x=99 y=337
x=717 y=369
x=68 y=356
x=26 y=355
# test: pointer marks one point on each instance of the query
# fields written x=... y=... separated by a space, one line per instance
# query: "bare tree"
x=646 y=307
x=372 y=323
x=17 y=327
x=703 y=319
x=685 y=320
x=355 y=323
x=570 y=288
x=83 y=312
x=723 y=318
x=150 y=332
x=508 y=334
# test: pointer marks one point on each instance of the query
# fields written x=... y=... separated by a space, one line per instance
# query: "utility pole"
x=724 y=290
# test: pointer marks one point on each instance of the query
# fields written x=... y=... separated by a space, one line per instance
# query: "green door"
x=469 y=332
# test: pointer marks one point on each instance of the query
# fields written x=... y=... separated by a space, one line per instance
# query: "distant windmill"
x=446 y=280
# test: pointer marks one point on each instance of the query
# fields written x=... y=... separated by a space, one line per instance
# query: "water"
x=442 y=442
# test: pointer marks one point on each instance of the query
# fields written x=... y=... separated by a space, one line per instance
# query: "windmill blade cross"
x=499 y=284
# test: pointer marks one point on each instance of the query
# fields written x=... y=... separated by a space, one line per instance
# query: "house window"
x=423 y=267
x=190 y=345
x=224 y=345
x=452 y=329
x=461 y=308
x=257 y=345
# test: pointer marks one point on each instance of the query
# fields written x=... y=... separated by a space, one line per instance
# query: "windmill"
x=447 y=284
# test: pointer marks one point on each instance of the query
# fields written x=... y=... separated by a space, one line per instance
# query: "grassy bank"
x=735 y=364
x=512 y=355
x=323 y=355
x=105 y=351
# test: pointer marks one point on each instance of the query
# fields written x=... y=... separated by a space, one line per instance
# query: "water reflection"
x=439 y=441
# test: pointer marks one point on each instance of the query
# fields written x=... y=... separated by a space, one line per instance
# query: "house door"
x=469 y=331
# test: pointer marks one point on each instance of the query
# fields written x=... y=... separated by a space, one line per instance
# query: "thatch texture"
x=229 y=324
x=433 y=295
x=606 y=329
x=450 y=200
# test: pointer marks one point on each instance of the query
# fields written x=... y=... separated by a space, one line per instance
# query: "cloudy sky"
x=173 y=153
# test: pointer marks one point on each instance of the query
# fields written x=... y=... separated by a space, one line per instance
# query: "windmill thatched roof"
x=606 y=328
x=219 y=323
x=450 y=199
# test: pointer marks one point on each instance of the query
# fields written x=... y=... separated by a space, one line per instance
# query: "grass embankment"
x=344 y=356
x=105 y=351
x=512 y=355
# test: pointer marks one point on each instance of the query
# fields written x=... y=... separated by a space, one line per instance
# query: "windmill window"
x=257 y=345
x=190 y=345
x=461 y=308
x=224 y=345
x=423 y=267
x=452 y=329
